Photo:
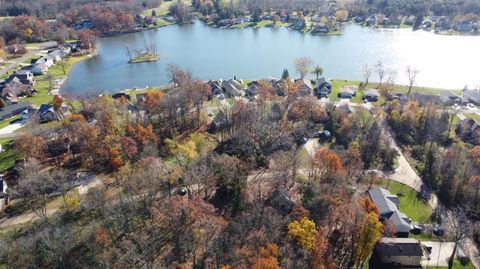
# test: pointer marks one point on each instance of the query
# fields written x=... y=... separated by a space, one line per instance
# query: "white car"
x=470 y=106
x=455 y=106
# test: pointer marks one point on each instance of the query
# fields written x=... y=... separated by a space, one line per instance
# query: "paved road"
x=27 y=56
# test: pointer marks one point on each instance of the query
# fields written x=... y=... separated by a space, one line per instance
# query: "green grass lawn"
x=8 y=121
x=456 y=265
x=42 y=85
x=472 y=116
x=163 y=9
x=8 y=156
x=263 y=23
x=411 y=204
x=338 y=84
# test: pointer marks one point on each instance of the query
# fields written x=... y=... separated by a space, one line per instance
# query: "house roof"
x=322 y=81
x=371 y=92
x=304 y=82
x=383 y=199
x=399 y=247
x=40 y=66
x=18 y=107
x=471 y=94
x=15 y=88
x=349 y=89
x=44 y=108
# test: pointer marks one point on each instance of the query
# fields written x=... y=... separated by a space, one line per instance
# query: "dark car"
x=438 y=231
x=416 y=229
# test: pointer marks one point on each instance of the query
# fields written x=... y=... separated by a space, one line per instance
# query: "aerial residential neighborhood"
x=239 y=134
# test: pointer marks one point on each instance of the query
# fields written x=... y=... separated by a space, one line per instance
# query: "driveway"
x=441 y=252
x=27 y=56
x=9 y=129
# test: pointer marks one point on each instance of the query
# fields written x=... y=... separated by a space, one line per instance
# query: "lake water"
x=211 y=53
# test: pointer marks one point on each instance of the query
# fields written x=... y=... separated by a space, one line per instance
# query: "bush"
x=464 y=260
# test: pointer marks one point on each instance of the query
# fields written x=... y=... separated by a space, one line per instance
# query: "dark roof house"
x=371 y=95
x=397 y=253
x=47 y=113
x=14 y=109
x=348 y=92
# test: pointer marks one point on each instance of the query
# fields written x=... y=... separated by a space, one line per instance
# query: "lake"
x=211 y=53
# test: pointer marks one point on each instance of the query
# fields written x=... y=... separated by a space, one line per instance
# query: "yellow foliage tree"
x=304 y=231
x=370 y=233
x=28 y=32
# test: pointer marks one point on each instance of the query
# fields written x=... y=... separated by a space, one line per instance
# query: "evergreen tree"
x=285 y=74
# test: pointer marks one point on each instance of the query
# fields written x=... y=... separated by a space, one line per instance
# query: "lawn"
x=8 y=156
x=42 y=85
x=163 y=9
x=8 y=121
x=263 y=23
x=472 y=116
x=338 y=84
x=456 y=265
x=411 y=203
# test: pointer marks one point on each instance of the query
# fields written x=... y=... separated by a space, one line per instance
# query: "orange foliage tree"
x=267 y=258
x=326 y=162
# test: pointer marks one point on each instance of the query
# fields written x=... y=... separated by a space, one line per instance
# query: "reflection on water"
x=210 y=53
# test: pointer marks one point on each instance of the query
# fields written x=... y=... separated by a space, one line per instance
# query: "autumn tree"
x=370 y=233
x=326 y=162
x=304 y=231
x=266 y=258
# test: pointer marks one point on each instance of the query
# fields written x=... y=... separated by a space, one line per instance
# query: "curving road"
x=27 y=56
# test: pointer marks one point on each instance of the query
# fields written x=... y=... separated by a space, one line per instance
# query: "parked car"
x=416 y=229
x=428 y=248
x=470 y=106
x=438 y=231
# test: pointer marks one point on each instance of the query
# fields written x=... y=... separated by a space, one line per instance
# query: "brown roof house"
x=397 y=253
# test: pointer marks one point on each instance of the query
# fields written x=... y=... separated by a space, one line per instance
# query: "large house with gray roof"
x=397 y=253
x=387 y=204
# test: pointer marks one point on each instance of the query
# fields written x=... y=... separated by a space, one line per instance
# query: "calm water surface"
x=210 y=53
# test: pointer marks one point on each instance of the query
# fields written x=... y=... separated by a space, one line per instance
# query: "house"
x=232 y=88
x=46 y=60
x=39 y=69
x=371 y=95
x=47 y=113
x=468 y=129
x=14 y=89
x=348 y=92
x=423 y=99
x=324 y=88
x=304 y=86
x=224 y=22
x=321 y=29
x=220 y=122
x=120 y=95
x=252 y=88
x=449 y=97
x=216 y=88
x=23 y=76
x=471 y=96
x=345 y=108
x=141 y=97
x=56 y=55
x=371 y=21
x=387 y=204
x=13 y=110
x=397 y=253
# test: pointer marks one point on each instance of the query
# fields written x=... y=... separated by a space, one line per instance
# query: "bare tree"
x=380 y=68
x=459 y=227
x=412 y=76
x=367 y=72
x=129 y=53
x=302 y=65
